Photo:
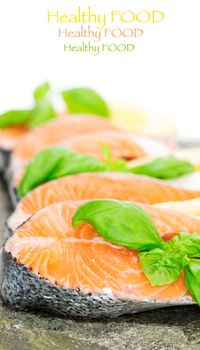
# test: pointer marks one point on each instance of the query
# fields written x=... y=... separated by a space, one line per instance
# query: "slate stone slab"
x=167 y=329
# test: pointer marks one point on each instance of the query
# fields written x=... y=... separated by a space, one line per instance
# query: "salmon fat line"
x=100 y=20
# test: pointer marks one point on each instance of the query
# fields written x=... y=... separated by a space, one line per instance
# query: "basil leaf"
x=164 y=168
x=188 y=244
x=122 y=223
x=74 y=163
x=113 y=164
x=15 y=117
x=192 y=278
x=117 y=165
x=41 y=91
x=161 y=266
x=53 y=163
x=42 y=112
x=106 y=152
x=85 y=100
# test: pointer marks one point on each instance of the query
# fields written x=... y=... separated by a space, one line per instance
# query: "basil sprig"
x=65 y=162
x=41 y=112
x=113 y=164
x=85 y=100
x=188 y=244
x=164 y=168
x=53 y=163
x=175 y=256
x=161 y=266
x=78 y=100
x=129 y=225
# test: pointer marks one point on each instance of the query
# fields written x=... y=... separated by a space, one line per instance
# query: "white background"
x=162 y=74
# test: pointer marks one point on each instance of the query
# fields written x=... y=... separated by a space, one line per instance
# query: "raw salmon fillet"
x=10 y=136
x=55 y=132
x=120 y=144
x=48 y=249
x=87 y=186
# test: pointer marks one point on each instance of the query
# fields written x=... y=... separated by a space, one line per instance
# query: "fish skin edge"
x=22 y=290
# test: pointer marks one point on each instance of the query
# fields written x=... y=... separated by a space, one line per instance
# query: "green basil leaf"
x=161 y=266
x=42 y=112
x=15 y=117
x=53 y=163
x=117 y=165
x=186 y=243
x=192 y=278
x=41 y=91
x=85 y=100
x=122 y=223
x=164 y=168
x=106 y=152
x=74 y=163
x=113 y=164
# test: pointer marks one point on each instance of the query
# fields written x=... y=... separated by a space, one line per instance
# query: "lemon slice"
x=190 y=207
x=197 y=167
x=134 y=119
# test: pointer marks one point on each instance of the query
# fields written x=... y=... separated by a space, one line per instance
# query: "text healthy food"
x=129 y=225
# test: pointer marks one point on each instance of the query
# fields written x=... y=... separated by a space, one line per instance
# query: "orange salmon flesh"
x=88 y=186
x=55 y=132
x=120 y=144
x=50 y=247
x=10 y=136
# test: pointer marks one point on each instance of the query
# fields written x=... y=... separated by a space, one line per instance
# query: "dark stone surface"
x=175 y=328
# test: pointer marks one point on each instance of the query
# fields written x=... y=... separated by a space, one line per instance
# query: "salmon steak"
x=10 y=136
x=8 y=140
x=55 y=132
x=86 y=186
x=120 y=145
x=48 y=265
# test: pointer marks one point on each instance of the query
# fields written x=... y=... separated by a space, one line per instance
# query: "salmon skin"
x=65 y=302
x=48 y=265
x=8 y=140
x=88 y=186
x=4 y=160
